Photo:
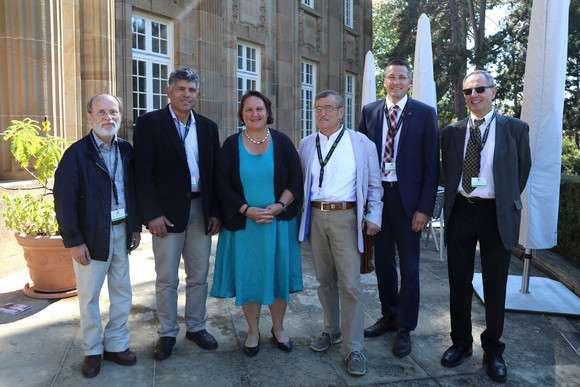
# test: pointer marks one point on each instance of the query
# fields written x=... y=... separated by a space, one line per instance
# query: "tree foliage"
x=459 y=24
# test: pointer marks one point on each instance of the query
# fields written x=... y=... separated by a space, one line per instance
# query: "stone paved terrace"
x=41 y=347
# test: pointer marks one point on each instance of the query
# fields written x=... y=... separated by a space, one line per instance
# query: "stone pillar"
x=97 y=50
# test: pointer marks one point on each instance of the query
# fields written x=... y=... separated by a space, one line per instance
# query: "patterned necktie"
x=472 y=157
x=390 y=142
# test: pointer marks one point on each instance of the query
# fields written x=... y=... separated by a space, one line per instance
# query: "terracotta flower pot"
x=50 y=265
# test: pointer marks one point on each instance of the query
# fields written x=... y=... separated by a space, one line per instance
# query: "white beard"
x=103 y=132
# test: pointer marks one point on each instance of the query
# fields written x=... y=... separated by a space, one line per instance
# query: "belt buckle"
x=470 y=201
x=322 y=206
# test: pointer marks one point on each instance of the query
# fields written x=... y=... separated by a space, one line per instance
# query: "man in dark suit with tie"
x=486 y=169
x=175 y=160
x=406 y=135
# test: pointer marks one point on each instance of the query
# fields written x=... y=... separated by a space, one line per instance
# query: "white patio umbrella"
x=542 y=109
x=423 y=80
x=369 y=87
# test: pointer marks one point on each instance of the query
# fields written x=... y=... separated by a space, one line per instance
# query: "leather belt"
x=193 y=195
x=474 y=199
x=390 y=184
x=117 y=222
x=333 y=206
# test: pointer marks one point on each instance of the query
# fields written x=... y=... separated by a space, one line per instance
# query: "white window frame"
x=308 y=3
x=349 y=94
x=248 y=66
x=145 y=58
x=308 y=92
x=348 y=13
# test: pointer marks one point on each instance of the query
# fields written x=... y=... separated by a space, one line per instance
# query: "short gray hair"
x=485 y=73
x=183 y=74
x=92 y=99
x=328 y=93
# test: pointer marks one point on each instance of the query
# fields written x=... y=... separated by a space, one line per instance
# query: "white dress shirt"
x=191 y=148
x=392 y=176
x=486 y=162
x=339 y=182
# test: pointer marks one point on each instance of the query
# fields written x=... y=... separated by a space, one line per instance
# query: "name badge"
x=118 y=214
x=193 y=184
x=390 y=167
x=319 y=195
x=478 y=182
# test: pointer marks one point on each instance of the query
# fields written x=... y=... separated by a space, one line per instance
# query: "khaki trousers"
x=333 y=240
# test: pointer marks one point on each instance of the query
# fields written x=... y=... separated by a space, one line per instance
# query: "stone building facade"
x=55 y=54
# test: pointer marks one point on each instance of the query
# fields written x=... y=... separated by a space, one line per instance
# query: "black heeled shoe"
x=252 y=351
x=286 y=346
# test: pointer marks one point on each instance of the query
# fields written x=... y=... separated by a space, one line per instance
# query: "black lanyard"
x=186 y=128
x=325 y=161
x=116 y=150
x=481 y=144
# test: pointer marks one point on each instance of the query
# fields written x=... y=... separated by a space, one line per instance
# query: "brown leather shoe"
x=91 y=366
x=126 y=358
x=384 y=324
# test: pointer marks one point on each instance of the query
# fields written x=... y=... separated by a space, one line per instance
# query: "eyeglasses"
x=479 y=89
x=326 y=109
x=103 y=113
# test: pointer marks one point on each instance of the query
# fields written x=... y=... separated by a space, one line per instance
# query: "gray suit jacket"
x=369 y=190
x=511 y=167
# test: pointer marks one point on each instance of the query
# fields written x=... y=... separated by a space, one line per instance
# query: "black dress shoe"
x=455 y=355
x=402 y=344
x=252 y=351
x=203 y=339
x=164 y=347
x=496 y=367
x=286 y=346
x=384 y=324
x=126 y=357
x=91 y=366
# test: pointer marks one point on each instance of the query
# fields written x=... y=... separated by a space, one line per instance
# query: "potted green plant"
x=32 y=217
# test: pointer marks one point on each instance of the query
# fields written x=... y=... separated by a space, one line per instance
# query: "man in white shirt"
x=486 y=161
x=343 y=194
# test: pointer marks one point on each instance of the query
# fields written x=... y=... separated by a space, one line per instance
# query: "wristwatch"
x=284 y=207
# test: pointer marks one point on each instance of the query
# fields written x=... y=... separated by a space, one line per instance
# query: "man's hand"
x=81 y=254
x=420 y=221
x=157 y=226
x=135 y=241
x=215 y=224
x=371 y=228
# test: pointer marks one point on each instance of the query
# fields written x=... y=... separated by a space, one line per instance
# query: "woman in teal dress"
x=259 y=183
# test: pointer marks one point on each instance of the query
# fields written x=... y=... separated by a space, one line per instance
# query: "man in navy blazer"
x=485 y=206
x=406 y=135
x=175 y=159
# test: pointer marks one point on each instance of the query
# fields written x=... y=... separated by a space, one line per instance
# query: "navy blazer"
x=417 y=156
x=162 y=174
x=82 y=197
x=511 y=167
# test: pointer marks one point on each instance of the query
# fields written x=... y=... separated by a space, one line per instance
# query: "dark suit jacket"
x=162 y=175
x=511 y=166
x=417 y=156
x=82 y=197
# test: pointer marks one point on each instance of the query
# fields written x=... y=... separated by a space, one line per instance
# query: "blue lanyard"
x=481 y=144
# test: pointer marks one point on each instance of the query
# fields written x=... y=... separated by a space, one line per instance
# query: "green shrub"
x=570 y=157
x=569 y=219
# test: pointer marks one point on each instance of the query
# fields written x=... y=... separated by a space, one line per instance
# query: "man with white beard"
x=95 y=208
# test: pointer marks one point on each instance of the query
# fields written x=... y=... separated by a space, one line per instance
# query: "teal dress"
x=262 y=261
